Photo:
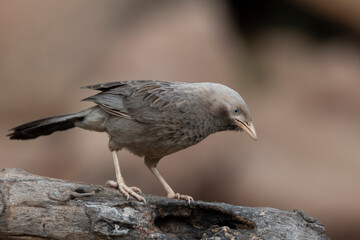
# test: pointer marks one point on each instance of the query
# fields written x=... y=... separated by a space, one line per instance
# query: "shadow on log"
x=35 y=207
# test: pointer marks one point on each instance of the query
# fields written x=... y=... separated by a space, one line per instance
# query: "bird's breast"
x=159 y=138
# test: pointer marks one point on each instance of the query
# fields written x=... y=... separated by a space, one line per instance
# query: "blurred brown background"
x=296 y=63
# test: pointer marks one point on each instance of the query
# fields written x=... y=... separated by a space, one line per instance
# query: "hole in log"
x=196 y=221
x=80 y=190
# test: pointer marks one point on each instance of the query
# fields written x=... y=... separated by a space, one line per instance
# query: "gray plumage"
x=151 y=118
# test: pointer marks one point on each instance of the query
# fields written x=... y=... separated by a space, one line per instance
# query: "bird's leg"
x=120 y=183
x=170 y=192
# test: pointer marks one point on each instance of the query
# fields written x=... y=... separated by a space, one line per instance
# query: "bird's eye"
x=235 y=111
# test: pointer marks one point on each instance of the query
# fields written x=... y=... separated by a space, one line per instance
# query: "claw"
x=127 y=191
x=182 y=197
x=177 y=195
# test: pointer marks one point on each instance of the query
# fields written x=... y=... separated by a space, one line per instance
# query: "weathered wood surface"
x=35 y=207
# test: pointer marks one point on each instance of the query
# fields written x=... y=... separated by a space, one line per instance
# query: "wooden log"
x=35 y=207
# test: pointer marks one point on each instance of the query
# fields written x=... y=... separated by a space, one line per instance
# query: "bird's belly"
x=152 y=140
x=160 y=146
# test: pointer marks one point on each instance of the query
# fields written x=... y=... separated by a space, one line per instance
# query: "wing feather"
x=145 y=101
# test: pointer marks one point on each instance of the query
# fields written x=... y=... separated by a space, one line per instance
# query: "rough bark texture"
x=35 y=207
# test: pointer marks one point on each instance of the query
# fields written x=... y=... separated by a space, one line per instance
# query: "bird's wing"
x=105 y=86
x=143 y=100
x=110 y=103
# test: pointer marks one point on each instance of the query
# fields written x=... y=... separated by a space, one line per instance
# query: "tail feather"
x=45 y=126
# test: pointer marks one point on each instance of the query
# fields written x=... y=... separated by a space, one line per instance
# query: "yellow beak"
x=248 y=128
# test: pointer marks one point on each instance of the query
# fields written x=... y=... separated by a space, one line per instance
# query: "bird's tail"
x=46 y=126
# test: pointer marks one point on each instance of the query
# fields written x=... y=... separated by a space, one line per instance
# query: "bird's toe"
x=181 y=197
x=136 y=189
x=124 y=191
x=186 y=198
x=127 y=191
x=131 y=191
x=111 y=183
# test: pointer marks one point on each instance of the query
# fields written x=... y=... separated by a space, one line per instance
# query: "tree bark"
x=35 y=207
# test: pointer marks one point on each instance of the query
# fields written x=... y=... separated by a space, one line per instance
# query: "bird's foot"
x=182 y=197
x=114 y=184
x=127 y=191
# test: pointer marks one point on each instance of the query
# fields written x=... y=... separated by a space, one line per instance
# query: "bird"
x=151 y=119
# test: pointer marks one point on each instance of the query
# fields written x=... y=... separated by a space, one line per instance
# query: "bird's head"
x=241 y=117
x=232 y=107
